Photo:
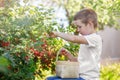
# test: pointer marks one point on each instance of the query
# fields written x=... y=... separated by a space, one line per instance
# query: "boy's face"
x=81 y=27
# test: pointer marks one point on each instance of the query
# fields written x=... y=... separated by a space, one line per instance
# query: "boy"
x=90 y=45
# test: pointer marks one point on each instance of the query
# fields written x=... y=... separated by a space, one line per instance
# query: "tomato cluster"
x=4 y=43
x=45 y=55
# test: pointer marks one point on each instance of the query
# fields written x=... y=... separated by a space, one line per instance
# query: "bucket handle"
x=58 y=54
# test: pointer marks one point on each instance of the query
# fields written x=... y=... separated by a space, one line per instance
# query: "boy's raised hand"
x=52 y=34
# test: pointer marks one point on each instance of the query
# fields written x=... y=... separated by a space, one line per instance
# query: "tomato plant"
x=24 y=42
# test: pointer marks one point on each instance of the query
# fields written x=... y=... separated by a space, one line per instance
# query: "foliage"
x=108 y=10
x=23 y=42
x=4 y=63
x=110 y=72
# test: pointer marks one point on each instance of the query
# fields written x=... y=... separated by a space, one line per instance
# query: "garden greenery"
x=25 y=50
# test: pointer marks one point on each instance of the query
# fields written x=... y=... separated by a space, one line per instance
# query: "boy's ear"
x=90 y=23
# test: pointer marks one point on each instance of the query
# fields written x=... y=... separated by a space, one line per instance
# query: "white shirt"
x=89 y=57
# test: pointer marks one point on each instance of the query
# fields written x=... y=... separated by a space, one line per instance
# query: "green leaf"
x=4 y=61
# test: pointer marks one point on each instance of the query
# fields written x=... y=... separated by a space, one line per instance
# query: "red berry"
x=63 y=51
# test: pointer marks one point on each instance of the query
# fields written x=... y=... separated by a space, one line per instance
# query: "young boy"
x=90 y=45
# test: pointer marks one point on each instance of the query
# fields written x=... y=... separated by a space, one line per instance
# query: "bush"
x=23 y=42
x=110 y=72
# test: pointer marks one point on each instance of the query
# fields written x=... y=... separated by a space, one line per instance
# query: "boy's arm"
x=70 y=37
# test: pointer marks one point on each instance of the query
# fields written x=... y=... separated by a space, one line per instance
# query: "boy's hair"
x=87 y=15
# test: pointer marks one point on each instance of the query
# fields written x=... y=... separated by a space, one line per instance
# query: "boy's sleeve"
x=92 y=40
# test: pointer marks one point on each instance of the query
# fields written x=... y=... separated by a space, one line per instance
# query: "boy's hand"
x=64 y=51
x=52 y=34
